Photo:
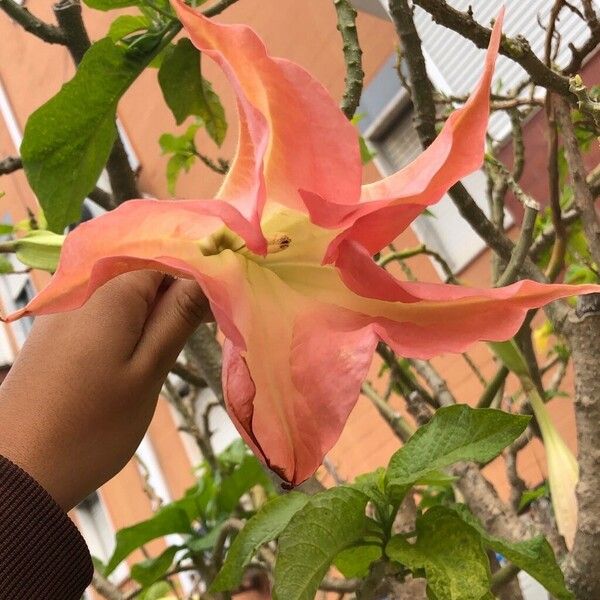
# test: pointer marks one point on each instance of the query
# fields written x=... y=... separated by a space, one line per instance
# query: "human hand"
x=81 y=394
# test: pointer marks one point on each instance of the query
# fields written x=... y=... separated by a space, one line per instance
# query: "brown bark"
x=583 y=568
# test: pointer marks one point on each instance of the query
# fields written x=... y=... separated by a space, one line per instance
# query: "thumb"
x=176 y=315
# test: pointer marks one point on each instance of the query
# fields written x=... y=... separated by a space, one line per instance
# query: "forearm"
x=42 y=555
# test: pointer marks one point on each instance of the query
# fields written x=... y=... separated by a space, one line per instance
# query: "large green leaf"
x=151 y=570
x=451 y=554
x=187 y=93
x=171 y=519
x=534 y=556
x=263 y=527
x=455 y=433
x=67 y=140
x=328 y=523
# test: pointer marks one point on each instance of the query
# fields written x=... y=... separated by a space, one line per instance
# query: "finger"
x=176 y=314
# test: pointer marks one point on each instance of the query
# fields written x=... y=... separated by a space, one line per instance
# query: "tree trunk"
x=583 y=332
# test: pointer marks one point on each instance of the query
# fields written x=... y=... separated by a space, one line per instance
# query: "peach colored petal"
x=291 y=128
x=438 y=318
x=141 y=234
x=388 y=206
x=291 y=390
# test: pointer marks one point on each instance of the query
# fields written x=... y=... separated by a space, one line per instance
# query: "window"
x=373 y=7
x=95 y=527
x=454 y=65
x=97 y=531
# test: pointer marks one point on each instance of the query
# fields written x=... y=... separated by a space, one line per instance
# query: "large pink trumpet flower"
x=284 y=253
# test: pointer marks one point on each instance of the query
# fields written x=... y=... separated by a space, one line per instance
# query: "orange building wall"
x=32 y=71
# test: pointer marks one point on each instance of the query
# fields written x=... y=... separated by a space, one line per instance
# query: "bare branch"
x=189 y=374
x=68 y=15
x=341 y=586
x=102 y=198
x=396 y=422
x=420 y=85
x=581 y=192
x=204 y=353
x=10 y=164
x=218 y=8
x=105 y=587
x=346 y=25
x=517 y=49
x=46 y=32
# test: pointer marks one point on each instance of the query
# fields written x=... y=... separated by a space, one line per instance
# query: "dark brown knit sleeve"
x=42 y=554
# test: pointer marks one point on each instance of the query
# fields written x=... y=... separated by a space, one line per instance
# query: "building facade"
x=32 y=71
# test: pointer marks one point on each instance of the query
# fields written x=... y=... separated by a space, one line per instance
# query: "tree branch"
x=102 y=198
x=10 y=164
x=341 y=586
x=346 y=25
x=218 y=8
x=204 y=353
x=420 y=85
x=517 y=49
x=106 y=588
x=46 y=32
x=396 y=422
x=582 y=194
x=189 y=374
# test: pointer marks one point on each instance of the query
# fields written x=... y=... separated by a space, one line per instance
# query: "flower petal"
x=291 y=128
x=388 y=206
x=140 y=234
x=291 y=389
x=438 y=317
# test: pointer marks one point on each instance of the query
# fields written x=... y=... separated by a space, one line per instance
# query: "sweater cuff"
x=42 y=554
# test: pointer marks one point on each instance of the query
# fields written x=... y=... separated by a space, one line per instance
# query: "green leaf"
x=5 y=228
x=5 y=266
x=158 y=591
x=40 y=249
x=450 y=552
x=127 y=24
x=67 y=140
x=535 y=556
x=111 y=4
x=529 y=496
x=455 y=433
x=187 y=93
x=183 y=149
x=366 y=154
x=373 y=485
x=170 y=519
x=248 y=474
x=580 y=274
x=176 y=164
x=263 y=527
x=152 y=569
x=355 y=561
x=328 y=523
x=205 y=542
